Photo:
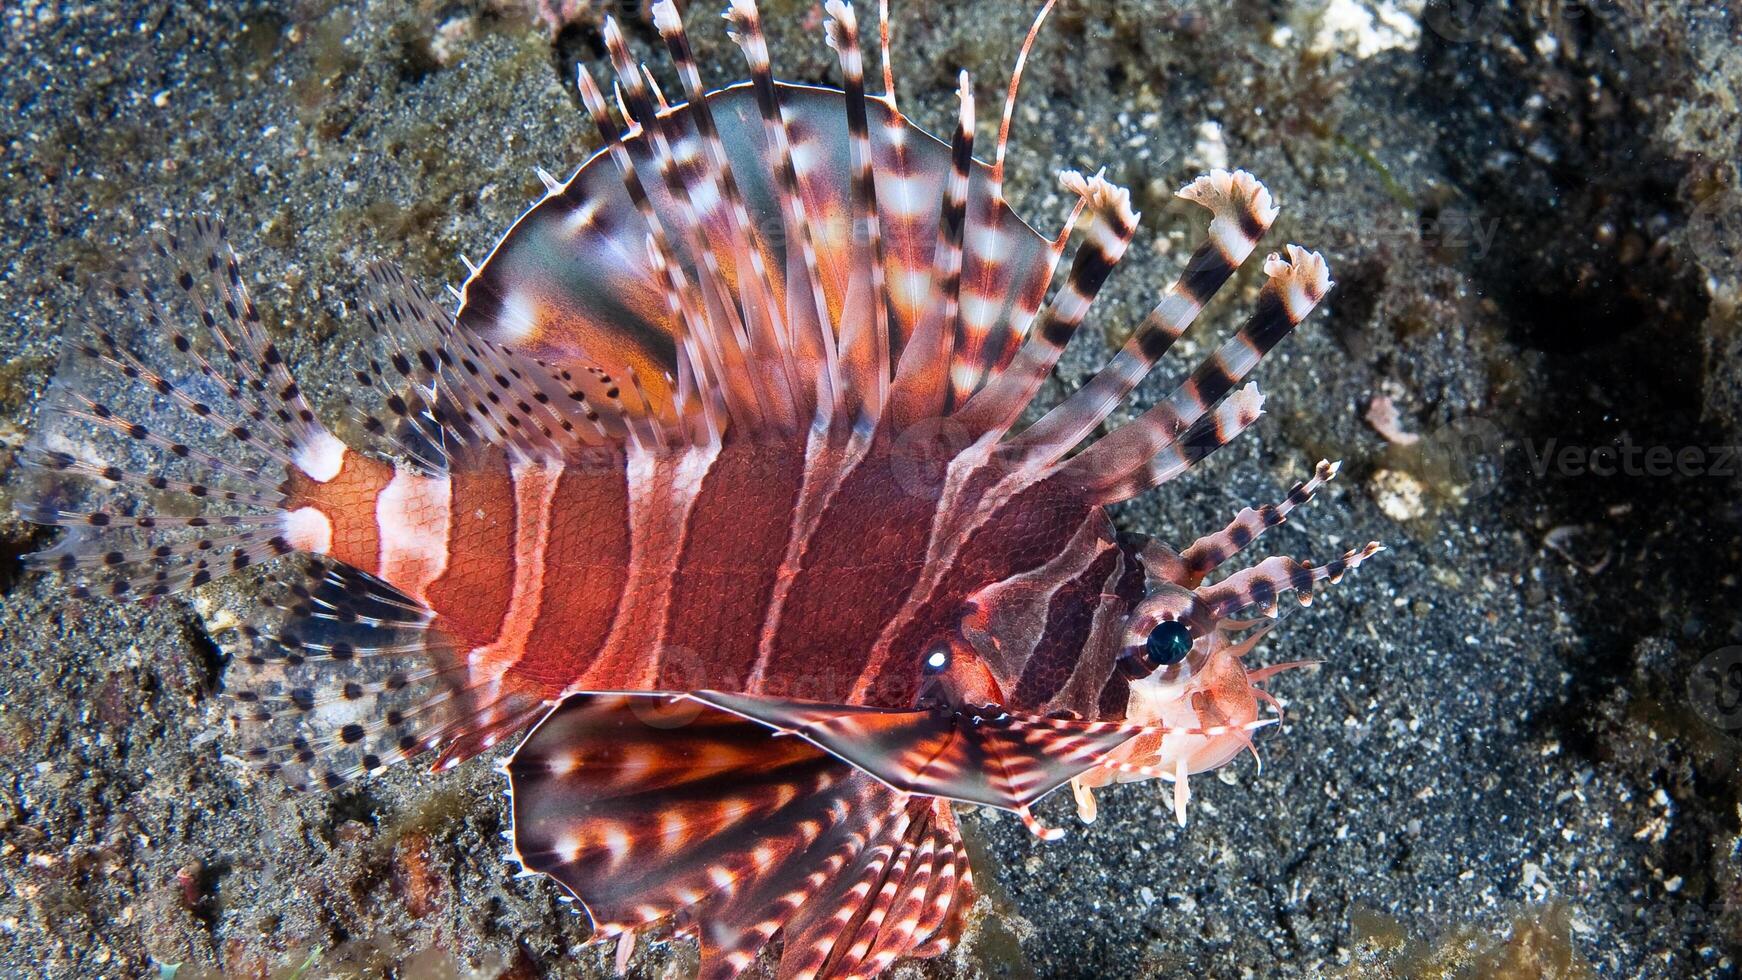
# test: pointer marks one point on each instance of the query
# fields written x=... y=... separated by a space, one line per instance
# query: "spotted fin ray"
x=343 y=676
x=175 y=447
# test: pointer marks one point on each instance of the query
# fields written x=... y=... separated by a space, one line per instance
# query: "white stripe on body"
x=535 y=484
x=414 y=520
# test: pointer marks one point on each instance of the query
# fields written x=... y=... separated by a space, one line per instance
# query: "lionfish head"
x=1182 y=672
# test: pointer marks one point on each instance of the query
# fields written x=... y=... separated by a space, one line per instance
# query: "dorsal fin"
x=757 y=395
x=574 y=278
x=864 y=328
x=764 y=308
x=999 y=299
x=1205 y=411
x=1110 y=228
x=922 y=382
x=452 y=387
x=1242 y=212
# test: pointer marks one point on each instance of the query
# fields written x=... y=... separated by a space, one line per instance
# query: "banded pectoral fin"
x=654 y=810
x=971 y=754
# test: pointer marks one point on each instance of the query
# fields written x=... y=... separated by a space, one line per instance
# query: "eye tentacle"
x=1263 y=584
x=1265 y=673
x=1211 y=551
x=1182 y=790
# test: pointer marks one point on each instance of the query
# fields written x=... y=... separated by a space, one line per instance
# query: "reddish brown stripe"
x=586 y=566
x=535 y=486
x=661 y=493
x=1023 y=534
x=1068 y=619
x=1132 y=586
x=412 y=515
x=868 y=551
x=473 y=594
x=738 y=532
x=348 y=501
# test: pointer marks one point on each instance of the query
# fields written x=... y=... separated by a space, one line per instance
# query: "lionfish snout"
x=1202 y=707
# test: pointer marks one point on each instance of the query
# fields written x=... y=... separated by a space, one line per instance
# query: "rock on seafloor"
x=1534 y=214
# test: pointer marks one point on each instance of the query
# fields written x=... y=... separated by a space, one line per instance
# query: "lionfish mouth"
x=717 y=481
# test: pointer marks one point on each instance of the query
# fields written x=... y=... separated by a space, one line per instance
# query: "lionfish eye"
x=1165 y=648
x=1168 y=644
x=937 y=661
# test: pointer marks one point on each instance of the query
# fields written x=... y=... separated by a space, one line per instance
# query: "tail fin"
x=170 y=428
x=174 y=447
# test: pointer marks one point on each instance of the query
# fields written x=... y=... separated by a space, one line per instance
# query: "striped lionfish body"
x=720 y=445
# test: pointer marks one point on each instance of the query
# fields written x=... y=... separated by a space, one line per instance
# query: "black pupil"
x=1168 y=644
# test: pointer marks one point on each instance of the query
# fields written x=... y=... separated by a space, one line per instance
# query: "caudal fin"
x=175 y=447
x=172 y=425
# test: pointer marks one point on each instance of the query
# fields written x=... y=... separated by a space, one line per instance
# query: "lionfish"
x=721 y=445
